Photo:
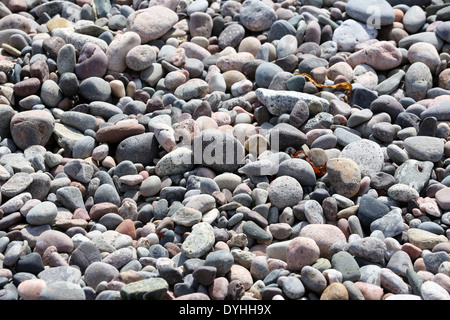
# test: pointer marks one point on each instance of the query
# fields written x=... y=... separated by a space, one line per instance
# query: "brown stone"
x=33 y=127
x=335 y=291
x=27 y=87
x=127 y=227
x=118 y=132
x=98 y=210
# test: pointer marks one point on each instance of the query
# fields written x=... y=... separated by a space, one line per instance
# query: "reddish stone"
x=17 y=5
x=27 y=87
x=118 y=132
x=127 y=227
x=81 y=213
x=58 y=239
x=100 y=209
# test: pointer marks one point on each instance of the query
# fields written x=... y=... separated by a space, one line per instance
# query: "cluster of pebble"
x=105 y=107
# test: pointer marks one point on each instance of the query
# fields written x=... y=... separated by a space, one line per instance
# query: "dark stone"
x=370 y=209
x=406 y=120
x=142 y=148
x=31 y=263
x=84 y=255
x=428 y=127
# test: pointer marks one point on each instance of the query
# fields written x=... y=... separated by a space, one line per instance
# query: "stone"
x=345 y=176
x=391 y=224
x=151 y=23
x=418 y=80
x=285 y=192
x=33 y=127
x=280 y=102
x=95 y=89
x=92 y=62
x=362 y=13
x=367 y=154
x=256 y=15
x=424 y=239
x=43 y=213
x=18 y=183
x=325 y=236
x=424 y=148
x=301 y=252
x=199 y=242
x=350 y=33
x=119 y=48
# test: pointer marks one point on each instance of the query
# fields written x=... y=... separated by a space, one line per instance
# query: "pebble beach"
x=225 y=150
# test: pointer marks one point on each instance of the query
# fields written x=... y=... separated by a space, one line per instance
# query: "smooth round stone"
x=192 y=89
x=222 y=260
x=414 y=19
x=293 y=287
x=298 y=169
x=231 y=36
x=200 y=25
x=79 y=170
x=443 y=30
x=43 y=213
x=313 y=279
x=345 y=176
x=433 y=291
x=359 y=117
x=186 y=216
x=150 y=186
x=83 y=148
x=147 y=289
x=350 y=33
x=254 y=231
x=367 y=154
x=31 y=289
x=439 y=110
x=256 y=15
x=33 y=127
x=414 y=173
x=443 y=198
x=70 y=197
x=95 y=89
x=335 y=291
x=60 y=240
x=61 y=290
x=418 y=80
x=360 y=12
x=51 y=94
x=424 y=52
x=140 y=148
x=151 y=23
x=347 y=265
x=424 y=148
x=324 y=235
x=265 y=73
x=424 y=239
x=279 y=29
x=66 y=59
x=118 y=132
x=92 y=62
x=107 y=193
x=285 y=192
x=402 y=192
x=279 y=102
x=301 y=252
